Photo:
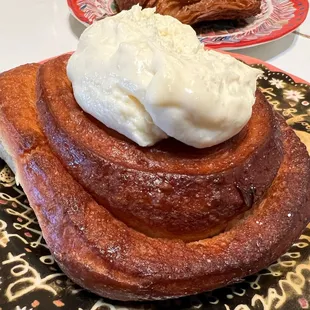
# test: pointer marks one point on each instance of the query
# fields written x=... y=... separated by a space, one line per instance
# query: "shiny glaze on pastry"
x=104 y=255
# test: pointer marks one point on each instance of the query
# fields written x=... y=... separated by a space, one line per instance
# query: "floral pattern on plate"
x=88 y=11
x=30 y=278
x=277 y=18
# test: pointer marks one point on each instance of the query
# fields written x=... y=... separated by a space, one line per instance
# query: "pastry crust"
x=194 y=11
x=111 y=259
x=169 y=190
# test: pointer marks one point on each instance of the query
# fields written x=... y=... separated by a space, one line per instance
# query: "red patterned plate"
x=277 y=19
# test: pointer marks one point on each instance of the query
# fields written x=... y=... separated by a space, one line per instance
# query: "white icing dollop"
x=148 y=77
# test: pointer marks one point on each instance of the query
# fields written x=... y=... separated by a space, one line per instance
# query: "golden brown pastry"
x=169 y=190
x=194 y=11
x=99 y=251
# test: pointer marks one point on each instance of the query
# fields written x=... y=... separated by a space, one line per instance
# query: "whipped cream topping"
x=148 y=77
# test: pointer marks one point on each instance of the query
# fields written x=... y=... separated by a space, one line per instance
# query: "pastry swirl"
x=194 y=11
x=169 y=190
x=93 y=245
